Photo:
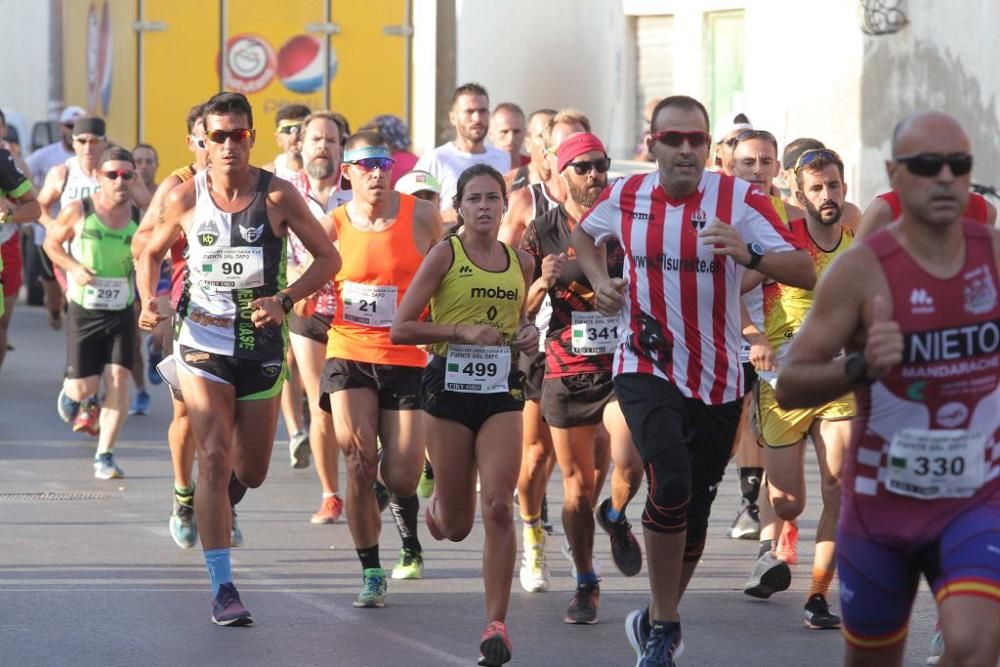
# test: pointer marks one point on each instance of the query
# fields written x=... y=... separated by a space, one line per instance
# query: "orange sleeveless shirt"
x=373 y=263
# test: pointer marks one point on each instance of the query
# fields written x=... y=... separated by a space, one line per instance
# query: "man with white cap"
x=422 y=185
x=724 y=143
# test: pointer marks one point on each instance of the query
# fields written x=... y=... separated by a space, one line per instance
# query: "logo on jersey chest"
x=207 y=233
x=465 y=271
x=921 y=303
x=699 y=219
x=979 y=291
x=251 y=234
x=497 y=292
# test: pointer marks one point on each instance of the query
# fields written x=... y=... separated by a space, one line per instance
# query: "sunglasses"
x=290 y=128
x=930 y=164
x=238 y=136
x=124 y=175
x=93 y=141
x=373 y=163
x=601 y=166
x=810 y=156
x=676 y=139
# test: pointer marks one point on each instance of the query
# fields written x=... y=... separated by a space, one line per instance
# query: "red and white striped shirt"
x=673 y=276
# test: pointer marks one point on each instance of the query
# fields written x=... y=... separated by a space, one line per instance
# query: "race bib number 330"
x=477 y=369
x=370 y=305
x=936 y=464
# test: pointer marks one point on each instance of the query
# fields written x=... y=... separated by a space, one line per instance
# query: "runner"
x=287 y=129
x=922 y=478
x=182 y=525
x=507 y=129
x=472 y=391
x=420 y=184
x=821 y=191
x=17 y=204
x=536 y=170
x=577 y=393
x=147 y=161
x=790 y=156
x=724 y=143
x=677 y=375
x=470 y=116
x=396 y=132
x=100 y=274
x=310 y=321
x=372 y=386
x=887 y=208
x=232 y=335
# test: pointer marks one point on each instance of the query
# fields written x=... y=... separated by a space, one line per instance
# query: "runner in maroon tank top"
x=921 y=484
x=886 y=208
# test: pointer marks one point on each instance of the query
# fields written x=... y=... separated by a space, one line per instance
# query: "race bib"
x=106 y=294
x=230 y=268
x=936 y=464
x=370 y=305
x=477 y=369
x=594 y=333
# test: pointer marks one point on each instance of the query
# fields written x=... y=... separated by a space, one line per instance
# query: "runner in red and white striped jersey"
x=687 y=236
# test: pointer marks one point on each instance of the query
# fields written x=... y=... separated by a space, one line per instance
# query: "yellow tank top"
x=470 y=294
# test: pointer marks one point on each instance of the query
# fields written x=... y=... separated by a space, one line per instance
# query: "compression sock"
x=750 y=484
x=404 y=512
x=369 y=558
x=220 y=570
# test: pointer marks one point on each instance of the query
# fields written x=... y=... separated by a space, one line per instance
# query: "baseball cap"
x=417 y=181
x=576 y=145
x=740 y=123
x=71 y=113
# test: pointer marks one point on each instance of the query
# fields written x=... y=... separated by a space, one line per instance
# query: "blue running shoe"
x=67 y=407
x=227 y=609
x=140 y=404
x=152 y=359
x=183 y=527
x=662 y=648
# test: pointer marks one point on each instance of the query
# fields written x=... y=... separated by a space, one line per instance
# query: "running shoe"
x=409 y=566
x=583 y=607
x=637 y=631
x=382 y=495
x=494 y=646
x=567 y=552
x=746 y=525
x=937 y=646
x=152 y=359
x=534 y=573
x=770 y=575
x=372 y=593
x=625 y=549
x=140 y=404
x=432 y=527
x=426 y=485
x=235 y=534
x=88 y=419
x=788 y=543
x=329 y=511
x=106 y=468
x=227 y=609
x=67 y=407
x=298 y=450
x=662 y=649
x=818 y=615
x=182 y=525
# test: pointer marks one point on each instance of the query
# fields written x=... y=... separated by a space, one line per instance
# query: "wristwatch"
x=856 y=367
x=286 y=302
x=756 y=254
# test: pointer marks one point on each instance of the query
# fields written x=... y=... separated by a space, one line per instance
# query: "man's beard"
x=817 y=215
x=585 y=196
x=319 y=168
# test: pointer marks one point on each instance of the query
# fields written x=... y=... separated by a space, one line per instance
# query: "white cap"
x=417 y=181
x=733 y=129
x=71 y=113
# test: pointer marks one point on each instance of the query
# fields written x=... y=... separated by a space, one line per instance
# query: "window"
x=724 y=65
x=654 y=66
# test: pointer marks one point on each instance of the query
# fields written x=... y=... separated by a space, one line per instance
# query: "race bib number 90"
x=477 y=369
x=231 y=268
x=936 y=464
x=106 y=294
x=370 y=305
x=594 y=333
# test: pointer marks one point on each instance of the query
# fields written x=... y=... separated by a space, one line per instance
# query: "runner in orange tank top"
x=371 y=386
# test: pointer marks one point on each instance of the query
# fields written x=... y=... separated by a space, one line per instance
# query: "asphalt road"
x=93 y=578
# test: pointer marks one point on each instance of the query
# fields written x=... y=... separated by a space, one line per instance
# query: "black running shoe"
x=583 y=609
x=625 y=549
x=227 y=609
x=818 y=615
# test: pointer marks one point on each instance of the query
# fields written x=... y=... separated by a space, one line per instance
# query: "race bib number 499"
x=594 y=333
x=936 y=464
x=477 y=369
x=370 y=305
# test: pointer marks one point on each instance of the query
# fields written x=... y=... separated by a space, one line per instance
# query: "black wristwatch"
x=856 y=367
x=756 y=254
x=286 y=302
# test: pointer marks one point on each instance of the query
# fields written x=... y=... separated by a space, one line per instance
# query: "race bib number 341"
x=477 y=369
x=936 y=464
x=370 y=305
x=594 y=333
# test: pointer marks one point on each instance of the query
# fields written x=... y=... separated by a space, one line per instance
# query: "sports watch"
x=856 y=367
x=756 y=254
x=286 y=302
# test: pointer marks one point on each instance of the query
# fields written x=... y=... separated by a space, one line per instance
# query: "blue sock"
x=613 y=515
x=219 y=569
x=588 y=578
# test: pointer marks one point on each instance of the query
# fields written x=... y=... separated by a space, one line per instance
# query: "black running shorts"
x=97 y=338
x=398 y=387
x=576 y=400
x=469 y=410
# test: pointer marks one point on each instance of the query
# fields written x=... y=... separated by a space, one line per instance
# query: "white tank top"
x=78 y=185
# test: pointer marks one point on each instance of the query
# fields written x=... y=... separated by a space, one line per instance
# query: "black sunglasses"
x=601 y=166
x=675 y=139
x=122 y=174
x=930 y=164
x=219 y=136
